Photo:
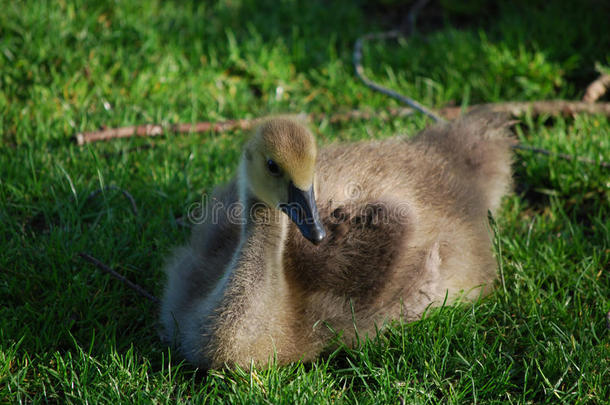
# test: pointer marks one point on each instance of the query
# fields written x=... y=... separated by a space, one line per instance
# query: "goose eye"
x=273 y=168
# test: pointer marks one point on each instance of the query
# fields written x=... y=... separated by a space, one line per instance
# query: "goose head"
x=279 y=163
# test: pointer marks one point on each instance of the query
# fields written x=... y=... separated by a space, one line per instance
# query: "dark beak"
x=302 y=210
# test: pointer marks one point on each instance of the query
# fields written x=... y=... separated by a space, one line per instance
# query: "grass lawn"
x=70 y=333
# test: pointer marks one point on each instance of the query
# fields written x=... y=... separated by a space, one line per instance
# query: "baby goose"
x=300 y=243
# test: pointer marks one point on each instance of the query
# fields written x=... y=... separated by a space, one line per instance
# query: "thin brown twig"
x=224 y=126
x=119 y=277
x=597 y=88
x=551 y=107
x=159 y=129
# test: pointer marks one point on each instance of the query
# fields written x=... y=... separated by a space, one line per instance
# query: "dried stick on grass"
x=157 y=129
x=551 y=107
x=229 y=125
x=597 y=89
x=119 y=277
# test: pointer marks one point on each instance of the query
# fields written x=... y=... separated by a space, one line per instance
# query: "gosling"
x=344 y=240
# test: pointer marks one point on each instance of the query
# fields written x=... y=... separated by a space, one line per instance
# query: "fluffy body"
x=407 y=227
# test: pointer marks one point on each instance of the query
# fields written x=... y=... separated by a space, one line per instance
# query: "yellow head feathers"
x=289 y=145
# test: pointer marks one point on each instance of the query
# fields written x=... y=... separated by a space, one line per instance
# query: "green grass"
x=70 y=333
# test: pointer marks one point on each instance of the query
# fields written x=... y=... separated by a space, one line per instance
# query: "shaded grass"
x=70 y=333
